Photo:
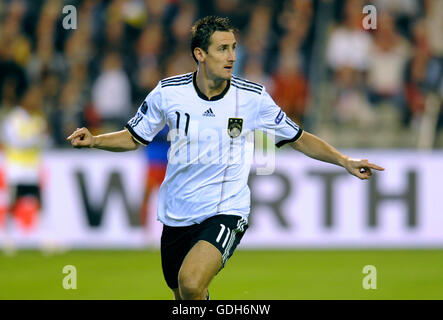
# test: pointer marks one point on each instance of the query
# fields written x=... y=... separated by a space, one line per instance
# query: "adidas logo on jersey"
x=208 y=113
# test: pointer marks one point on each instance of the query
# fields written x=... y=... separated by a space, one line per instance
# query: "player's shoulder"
x=176 y=81
x=247 y=85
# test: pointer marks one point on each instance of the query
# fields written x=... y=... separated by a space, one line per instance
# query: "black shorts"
x=223 y=231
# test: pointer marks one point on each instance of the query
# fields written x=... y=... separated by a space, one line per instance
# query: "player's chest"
x=226 y=118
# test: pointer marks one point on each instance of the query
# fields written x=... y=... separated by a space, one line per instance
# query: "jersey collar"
x=203 y=96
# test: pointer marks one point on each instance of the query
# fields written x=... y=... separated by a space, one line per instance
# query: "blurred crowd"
x=399 y=65
x=98 y=74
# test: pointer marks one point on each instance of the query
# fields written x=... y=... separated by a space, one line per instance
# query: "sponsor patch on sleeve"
x=279 y=117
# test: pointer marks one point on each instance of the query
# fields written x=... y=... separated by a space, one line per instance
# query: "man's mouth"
x=228 y=67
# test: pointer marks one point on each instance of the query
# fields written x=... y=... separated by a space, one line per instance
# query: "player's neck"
x=209 y=87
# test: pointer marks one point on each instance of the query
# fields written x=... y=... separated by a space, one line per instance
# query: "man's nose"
x=232 y=55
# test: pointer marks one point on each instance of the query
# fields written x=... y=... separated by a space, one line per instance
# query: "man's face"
x=220 y=57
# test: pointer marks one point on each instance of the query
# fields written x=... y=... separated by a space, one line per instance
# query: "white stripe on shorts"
x=240 y=228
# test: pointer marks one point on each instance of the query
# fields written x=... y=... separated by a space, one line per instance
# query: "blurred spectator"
x=14 y=54
x=254 y=71
x=177 y=29
x=290 y=86
x=434 y=25
x=51 y=87
x=296 y=22
x=24 y=136
x=77 y=50
x=183 y=23
x=348 y=57
x=179 y=63
x=388 y=56
x=148 y=49
x=113 y=38
x=237 y=11
x=68 y=114
x=8 y=95
x=350 y=105
x=348 y=44
x=44 y=60
x=424 y=73
x=257 y=36
x=14 y=44
x=404 y=11
x=289 y=82
x=111 y=93
x=135 y=13
x=400 y=8
x=156 y=9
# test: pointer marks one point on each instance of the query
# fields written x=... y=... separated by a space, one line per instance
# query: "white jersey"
x=211 y=144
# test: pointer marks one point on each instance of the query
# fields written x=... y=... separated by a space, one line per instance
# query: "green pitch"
x=314 y=274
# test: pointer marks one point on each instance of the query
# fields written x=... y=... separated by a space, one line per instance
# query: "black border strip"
x=283 y=142
x=136 y=136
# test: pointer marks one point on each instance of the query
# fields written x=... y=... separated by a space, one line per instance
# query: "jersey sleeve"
x=272 y=120
x=149 y=119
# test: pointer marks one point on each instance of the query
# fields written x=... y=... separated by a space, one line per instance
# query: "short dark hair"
x=203 y=29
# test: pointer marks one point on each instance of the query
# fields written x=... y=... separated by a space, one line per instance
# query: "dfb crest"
x=235 y=126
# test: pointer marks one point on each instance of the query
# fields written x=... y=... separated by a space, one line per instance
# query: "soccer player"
x=23 y=132
x=204 y=200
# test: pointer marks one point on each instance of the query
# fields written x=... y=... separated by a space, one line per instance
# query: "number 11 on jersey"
x=187 y=121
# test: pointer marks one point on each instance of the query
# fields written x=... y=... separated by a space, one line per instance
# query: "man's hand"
x=82 y=138
x=360 y=168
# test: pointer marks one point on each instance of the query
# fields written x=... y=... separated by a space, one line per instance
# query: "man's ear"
x=199 y=54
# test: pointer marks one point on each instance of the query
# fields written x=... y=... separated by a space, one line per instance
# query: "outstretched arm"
x=115 y=141
x=316 y=148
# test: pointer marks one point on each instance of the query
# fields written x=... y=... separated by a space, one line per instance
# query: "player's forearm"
x=115 y=141
x=318 y=149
